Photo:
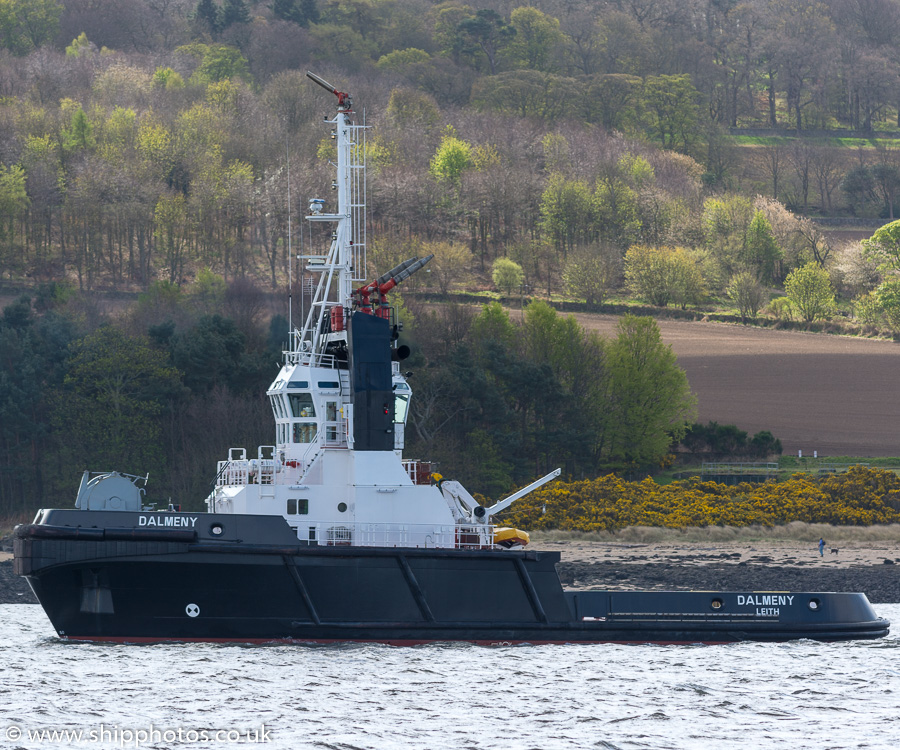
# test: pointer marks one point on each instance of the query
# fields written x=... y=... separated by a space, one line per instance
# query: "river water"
x=801 y=695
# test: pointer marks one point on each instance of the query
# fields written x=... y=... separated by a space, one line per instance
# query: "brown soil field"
x=837 y=395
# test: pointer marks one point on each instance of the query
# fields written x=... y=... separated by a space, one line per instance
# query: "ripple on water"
x=372 y=697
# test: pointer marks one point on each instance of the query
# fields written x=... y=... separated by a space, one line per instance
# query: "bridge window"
x=401 y=404
x=276 y=406
x=305 y=432
x=302 y=405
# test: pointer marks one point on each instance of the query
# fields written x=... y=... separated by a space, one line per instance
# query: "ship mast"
x=344 y=266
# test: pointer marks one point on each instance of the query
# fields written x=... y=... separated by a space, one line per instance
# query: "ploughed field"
x=837 y=395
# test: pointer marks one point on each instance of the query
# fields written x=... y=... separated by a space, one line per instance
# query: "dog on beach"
x=834 y=550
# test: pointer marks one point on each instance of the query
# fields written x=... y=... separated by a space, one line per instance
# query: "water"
x=793 y=695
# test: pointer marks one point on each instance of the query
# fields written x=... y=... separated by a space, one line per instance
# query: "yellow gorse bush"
x=859 y=497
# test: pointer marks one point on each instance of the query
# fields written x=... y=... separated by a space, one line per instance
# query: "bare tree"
x=800 y=157
x=815 y=240
x=773 y=161
x=827 y=170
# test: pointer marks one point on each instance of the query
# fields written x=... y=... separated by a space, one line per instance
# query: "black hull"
x=131 y=585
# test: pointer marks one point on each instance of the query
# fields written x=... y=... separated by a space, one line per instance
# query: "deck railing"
x=419 y=471
x=423 y=536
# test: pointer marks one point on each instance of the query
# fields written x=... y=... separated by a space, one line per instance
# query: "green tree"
x=661 y=275
x=213 y=353
x=761 y=251
x=30 y=366
x=493 y=324
x=234 y=12
x=527 y=93
x=671 y=101
x=566 y=212
x=14 y=202
x=80 y=135
x=884 y=247
x=402 y=60
x=726 y=223
x=592 y=273
x=650 y=400
x=781 y=308
x=537 y=41
x=410 y=106
x=450 y=39
x=207 y=293
x=888 y=296
x=209 y=15
x=217 y=62
x=300 y=12
x=343 y=45
x=810 y=291
x=487 y=31
x=452 y=158
x=507 y=275
x=687 y=282
x=867 y=308
x=26 y=25
x=109 y=410
x=617 y=210
x=168 y=79
x=613 y=101
x=80 y=45
x=647 y=274
x=486 y=468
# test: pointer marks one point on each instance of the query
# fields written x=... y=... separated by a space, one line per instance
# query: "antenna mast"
x=345 y=261
x=290 y=251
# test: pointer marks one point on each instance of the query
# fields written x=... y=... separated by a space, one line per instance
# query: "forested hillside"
x=568 y=148
x=142 y=139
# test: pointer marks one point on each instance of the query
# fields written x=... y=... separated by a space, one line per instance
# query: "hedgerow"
x=859 y=497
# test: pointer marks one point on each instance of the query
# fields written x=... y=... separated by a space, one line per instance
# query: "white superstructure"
x=336 y=471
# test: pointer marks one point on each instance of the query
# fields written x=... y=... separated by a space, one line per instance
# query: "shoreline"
x=871 y=567
x=778 y=565
x=772 y=552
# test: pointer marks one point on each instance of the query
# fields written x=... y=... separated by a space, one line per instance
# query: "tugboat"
x=329 y=535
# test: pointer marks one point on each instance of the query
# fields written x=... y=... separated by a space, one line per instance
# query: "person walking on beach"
x=821 y=548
